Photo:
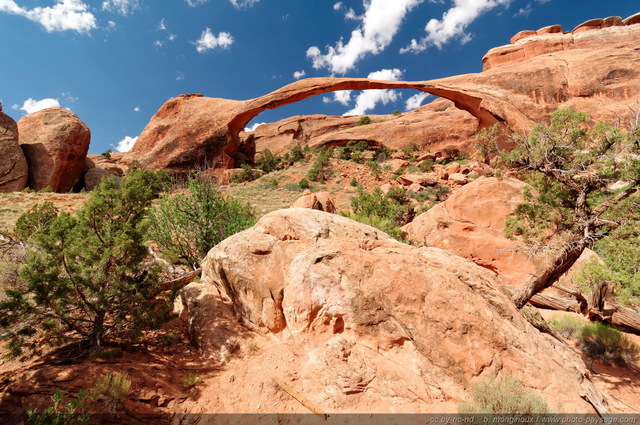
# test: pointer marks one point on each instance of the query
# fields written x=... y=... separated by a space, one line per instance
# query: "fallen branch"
x=295 y=394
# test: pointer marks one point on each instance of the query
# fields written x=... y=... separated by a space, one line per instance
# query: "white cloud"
x=209 y=41
x=171 y=37
x=342 y=96
x=253 y=127
x=523 y=11
x=64 y=15
x=368 y=99
x=111 y=25
x=180 y=76
x=299 y=74
x=136 y=109
x=380 y=22
x=415 y=101
x=126 y=144
x=238 y=4
x=453 y=24
x=31 y=105
x=162 y=26
x=243 y=3
x=123 y=7
x=158 y=43
x=351 y=15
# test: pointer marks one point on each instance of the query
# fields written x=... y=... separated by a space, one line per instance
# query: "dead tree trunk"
x=567 y=258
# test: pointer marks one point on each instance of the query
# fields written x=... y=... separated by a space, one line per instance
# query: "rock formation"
x=321 y=201
x=470 y=224
x=192 y=130
x=55 y=143
x=13 y=165
x=378 y=317
x=436 y=126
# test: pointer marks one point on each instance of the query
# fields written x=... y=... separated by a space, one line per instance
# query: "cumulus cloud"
x=209 y=41
x=415 y=101
x=123 y=7
x=299 y=74
x=126 y=144
x=253 y=127
x=453 y=24
x=158 y=43
x=64 y=15
x=32 y=105
x=380 y=23
x=341 y=96
x=136 y=109
x=369 y=99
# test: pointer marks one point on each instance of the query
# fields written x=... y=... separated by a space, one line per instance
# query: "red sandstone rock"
x=522 y=35
x=55 y=142
x=13 y=165
x=632 y=20
x=551 y=29
x=588 y=25
x=438 y=125
x=187 y=132
x=321 y=201
x=470 y=224
x=612 y=21
x=520 y=87
x=377 y=316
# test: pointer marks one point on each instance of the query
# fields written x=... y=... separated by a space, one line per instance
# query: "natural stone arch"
x=463 y=98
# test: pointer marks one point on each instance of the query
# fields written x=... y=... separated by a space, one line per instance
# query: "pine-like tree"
x=586 y=180
x=85 y=278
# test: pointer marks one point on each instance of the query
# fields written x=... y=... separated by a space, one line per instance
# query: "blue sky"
x=115 y=62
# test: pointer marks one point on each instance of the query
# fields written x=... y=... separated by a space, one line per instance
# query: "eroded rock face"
x=321 y=201
x=521 y=86
x=378 y=316
x=470 y=224
x=55 y=142
x=436 y=126
x=13 y=165
x=188 y=131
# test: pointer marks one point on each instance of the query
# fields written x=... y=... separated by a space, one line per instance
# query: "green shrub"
x=114 y=388
x=320 y=172
x=296 y=154
x=396 y=112
x=382 y=154
x=304 y=183
x=427 y=165
x=194 y=221
x=353 y=182
x=246 y=175
x=107 y=153
x=70 y=413
x=567 y=326
x=85 y=278
x=267 y=161
x=386 y=212
x=503 y=397
x=409 y=150
x=600 y=341
x=364 y=120
x=192 y=380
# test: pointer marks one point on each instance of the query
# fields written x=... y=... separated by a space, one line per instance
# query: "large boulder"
x=55 y=142
x=470 y=223
x=13 y=165
x=188 y=132
x=383 y=323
